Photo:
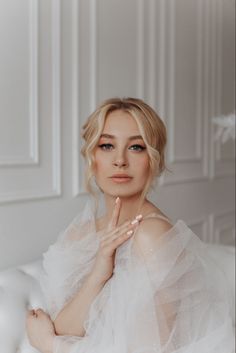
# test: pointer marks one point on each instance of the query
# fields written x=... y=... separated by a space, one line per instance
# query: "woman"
x=129 y=281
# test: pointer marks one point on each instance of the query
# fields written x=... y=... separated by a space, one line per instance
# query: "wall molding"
x=199 y=155
x=56 y=96
x=161 y=85
x=221 y=166
x=33 y=157
x=220 y=222
x=203 y=224
x=76 y=178
x=171 y=79
x=149 y=66
x=146 y=52
x=140 y=49
x=55 y=191
x=93 y=54
x=34 y=81
x=152 y=57
x=196 y=167
x=213 y=225
x=77 y=162
x=17 y=161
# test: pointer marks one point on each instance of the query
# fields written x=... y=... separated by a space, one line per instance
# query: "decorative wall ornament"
x=225 y=127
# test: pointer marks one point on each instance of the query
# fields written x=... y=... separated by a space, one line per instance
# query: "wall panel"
x=61 y=58
x=36 y=174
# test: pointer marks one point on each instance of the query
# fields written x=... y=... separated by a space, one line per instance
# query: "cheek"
x=99 y=162
x=144 y=165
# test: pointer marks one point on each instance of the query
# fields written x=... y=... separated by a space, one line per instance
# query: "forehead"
x=120 y=121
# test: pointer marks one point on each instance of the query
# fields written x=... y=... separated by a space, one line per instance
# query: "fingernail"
x=117 y=199
x=130 y=232
x=139 y=217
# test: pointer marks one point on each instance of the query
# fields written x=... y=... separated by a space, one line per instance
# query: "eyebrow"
x=135 y=137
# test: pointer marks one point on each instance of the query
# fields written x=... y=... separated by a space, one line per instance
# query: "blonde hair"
x=151 y=127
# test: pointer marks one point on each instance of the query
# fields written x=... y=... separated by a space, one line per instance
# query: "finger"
x=115 y=214
x=126 y=226
x=128 y=229
x=39 y=311
x=31 y=314
x=115 y=231
x=115 y=243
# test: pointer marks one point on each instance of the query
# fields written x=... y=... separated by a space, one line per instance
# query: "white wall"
x=60 y=58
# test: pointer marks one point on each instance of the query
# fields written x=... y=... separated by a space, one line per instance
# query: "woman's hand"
x=113 y=237
x=40 y=330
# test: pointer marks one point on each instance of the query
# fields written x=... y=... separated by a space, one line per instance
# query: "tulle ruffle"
x=166 y=300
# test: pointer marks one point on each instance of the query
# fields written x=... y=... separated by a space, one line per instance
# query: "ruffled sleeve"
x=188 y=310
x=163 y=296
x=67 y=262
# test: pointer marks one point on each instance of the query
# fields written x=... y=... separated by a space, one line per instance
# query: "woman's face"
x=121 y=158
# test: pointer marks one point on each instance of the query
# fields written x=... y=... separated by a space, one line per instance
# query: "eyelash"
x=109 y=146
x=139 y=147
x=104 y=146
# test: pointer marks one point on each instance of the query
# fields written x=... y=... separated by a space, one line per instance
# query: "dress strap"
x=157 y=215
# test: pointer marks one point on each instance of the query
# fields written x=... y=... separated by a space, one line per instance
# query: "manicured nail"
x=139 y=217
x=117 y=199
x=130 y=232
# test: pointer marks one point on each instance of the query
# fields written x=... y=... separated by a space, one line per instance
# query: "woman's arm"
x=71 y=318
x=148 y=240
x=40 y=330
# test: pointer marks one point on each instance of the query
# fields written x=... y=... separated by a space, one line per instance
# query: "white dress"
x=165 y=299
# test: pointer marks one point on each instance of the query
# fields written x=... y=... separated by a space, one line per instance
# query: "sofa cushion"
x=19 y=291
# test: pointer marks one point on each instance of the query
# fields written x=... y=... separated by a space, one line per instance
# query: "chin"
x=121 y=192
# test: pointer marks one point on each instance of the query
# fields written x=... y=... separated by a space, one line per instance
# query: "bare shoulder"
x=151 y=229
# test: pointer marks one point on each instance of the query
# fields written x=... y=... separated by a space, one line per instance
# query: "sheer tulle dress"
x=162 y=298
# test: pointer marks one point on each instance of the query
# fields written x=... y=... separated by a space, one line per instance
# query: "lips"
x=121 y=178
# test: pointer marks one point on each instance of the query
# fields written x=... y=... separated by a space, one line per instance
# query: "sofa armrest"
x=19 y=291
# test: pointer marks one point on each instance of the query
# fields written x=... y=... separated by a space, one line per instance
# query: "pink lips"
x=121 y=178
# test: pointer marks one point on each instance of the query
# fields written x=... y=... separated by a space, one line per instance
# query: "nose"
x=120 y=161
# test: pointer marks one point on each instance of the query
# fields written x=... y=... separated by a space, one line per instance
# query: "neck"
x=130 y=207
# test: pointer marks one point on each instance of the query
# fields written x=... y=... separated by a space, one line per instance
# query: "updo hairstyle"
x=152 y=130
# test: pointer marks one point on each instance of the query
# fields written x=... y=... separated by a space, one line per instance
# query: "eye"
x=137 y=148
x=106 y=146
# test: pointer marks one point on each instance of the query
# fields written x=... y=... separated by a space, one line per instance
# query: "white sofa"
x=20 y=290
